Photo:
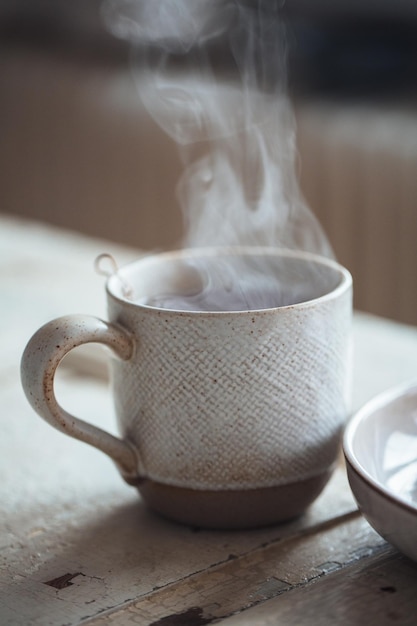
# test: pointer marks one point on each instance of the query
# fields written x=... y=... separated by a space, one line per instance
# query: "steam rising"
x=212 y=75
x=175 y=26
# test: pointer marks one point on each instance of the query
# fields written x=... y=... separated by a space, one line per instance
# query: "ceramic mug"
x=228 y=419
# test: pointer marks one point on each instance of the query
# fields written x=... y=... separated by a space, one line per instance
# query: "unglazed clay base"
x=248 y=508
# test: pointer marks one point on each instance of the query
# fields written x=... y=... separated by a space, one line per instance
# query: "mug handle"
x=40 y=360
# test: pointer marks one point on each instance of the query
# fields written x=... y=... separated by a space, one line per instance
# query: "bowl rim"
x=382 y=399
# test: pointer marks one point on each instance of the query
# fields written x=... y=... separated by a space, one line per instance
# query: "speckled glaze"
x=211 y=404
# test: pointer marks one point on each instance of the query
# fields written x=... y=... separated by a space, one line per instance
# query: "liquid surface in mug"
x=222 y=300
x=215 y=301
x=234 y=285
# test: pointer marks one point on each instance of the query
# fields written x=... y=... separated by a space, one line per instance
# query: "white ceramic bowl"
x=380 y=446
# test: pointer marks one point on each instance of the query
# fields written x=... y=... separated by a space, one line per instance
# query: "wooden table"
x=78 y=546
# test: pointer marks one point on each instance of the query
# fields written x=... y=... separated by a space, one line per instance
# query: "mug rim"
x=343 y=285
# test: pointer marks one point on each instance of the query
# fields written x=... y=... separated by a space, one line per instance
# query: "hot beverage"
x=246 y=283
x=217 y=300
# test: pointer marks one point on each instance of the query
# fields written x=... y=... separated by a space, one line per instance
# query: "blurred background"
x=79 y=150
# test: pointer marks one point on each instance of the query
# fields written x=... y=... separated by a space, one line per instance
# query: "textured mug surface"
x=234 y=417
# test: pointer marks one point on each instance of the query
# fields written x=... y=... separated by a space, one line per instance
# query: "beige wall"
x=77 y=150
x=359 y=173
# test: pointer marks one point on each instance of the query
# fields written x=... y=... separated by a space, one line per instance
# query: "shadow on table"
x=126 y=554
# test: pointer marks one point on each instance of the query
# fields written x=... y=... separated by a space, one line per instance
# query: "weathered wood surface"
x=77 y=544
x=376 y=591
x=265 y=572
